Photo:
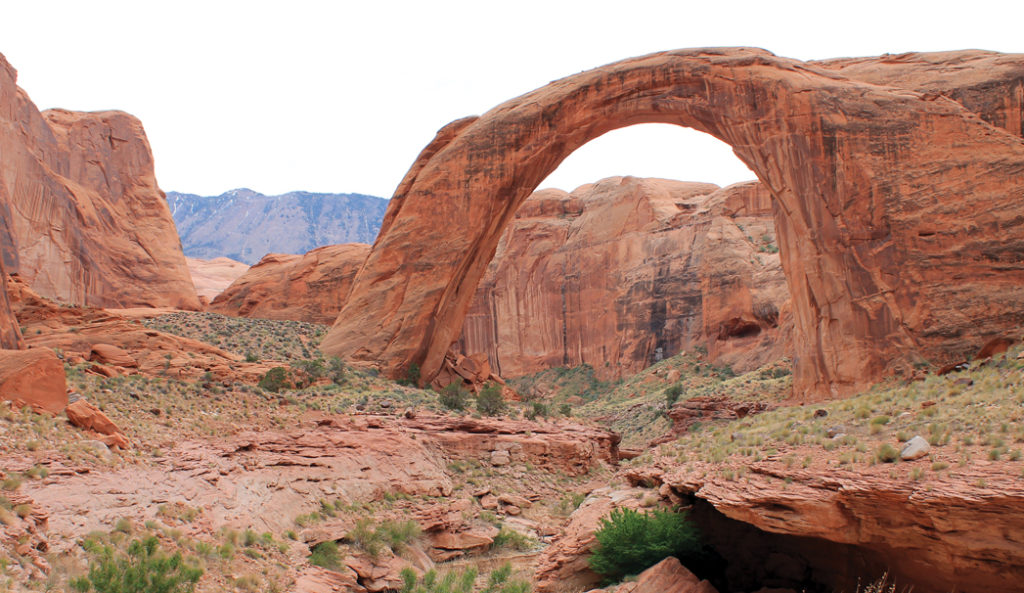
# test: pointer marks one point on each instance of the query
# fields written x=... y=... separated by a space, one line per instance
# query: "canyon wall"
x=82 y=219
x=623 y=272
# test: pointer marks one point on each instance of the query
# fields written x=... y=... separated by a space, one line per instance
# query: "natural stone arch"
x=883 y=196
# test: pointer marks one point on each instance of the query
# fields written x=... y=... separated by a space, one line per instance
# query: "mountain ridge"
x=244 y=225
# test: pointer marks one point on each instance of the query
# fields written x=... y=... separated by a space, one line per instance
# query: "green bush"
x=336 y=370
x=538 y=409
x=453 y=396
x=489 y=402
x=887 y=453
x=509 y=538
x=462 y=581
x=326 y=554
x=672 y=395
x=145 y=569
x=412 y=375
x=396 y=534
x=629 y=541
x=275 y=380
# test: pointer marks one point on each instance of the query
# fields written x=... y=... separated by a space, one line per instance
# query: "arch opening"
x=618 y=272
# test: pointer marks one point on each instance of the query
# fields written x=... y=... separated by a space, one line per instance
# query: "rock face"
x=897 y=211
x=83 y=220
x=245 y=225
x=298 y=287
x=34 y=378
x=10 y=331
x=212 y=276
x=667 y=576
x=958 y=534
x=623 y=272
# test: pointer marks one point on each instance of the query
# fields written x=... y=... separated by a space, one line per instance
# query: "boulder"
x=34 y=378
x=915 y=448
x=667 y=576
x=83 y=414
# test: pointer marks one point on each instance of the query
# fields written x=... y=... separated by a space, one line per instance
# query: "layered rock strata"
x=898 y=211
x=83 y=220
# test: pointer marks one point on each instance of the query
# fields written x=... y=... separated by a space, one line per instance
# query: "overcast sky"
x=341 y=96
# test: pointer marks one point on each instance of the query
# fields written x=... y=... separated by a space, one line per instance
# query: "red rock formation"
x=83 y=220
x=897 y=211
x=10 y=331
x=297 y=287
x=960 y=533
x=34 y=378
x=85 y=415
x=625 y=271
x=212 y=276
x=667 y=576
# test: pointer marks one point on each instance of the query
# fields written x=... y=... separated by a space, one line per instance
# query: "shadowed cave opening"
x=743 y=558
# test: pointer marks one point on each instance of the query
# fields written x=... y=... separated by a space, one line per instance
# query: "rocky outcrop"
x=897 y=211
x=88 y=417
x=246 y=225
x=667 y=576
x=297 y=287
x=212 y=276
x=958 y=533
x=33 y=378
x=83 y=220
x=624 y=272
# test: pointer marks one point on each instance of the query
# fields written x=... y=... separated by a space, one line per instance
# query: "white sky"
x=341 y=96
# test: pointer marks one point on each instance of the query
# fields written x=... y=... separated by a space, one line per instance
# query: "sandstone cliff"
x=83 y=220
x=898 y=211
x=308 y=287
x=623 y=272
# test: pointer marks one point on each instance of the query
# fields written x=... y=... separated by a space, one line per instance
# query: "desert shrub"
x=538 y=409
x=336 y=370
x=462 y=581
x=396 y=534
x=509 y=538
x=629 y=541
x=453 y=396
x=326 y=554
x=489 y=401
x=412 y=375
x=366 y=538
x=887 y=453
x=672 y=395
x=251 y=357
x=565 y=410
x=314 y=368
x=274 y=380
x=144 y=569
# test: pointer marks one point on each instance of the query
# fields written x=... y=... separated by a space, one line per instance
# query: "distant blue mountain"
x=246 y=225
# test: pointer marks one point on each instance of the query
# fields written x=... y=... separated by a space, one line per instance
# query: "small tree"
x=453 y=396
x=275 y=379
x=672 y=394
x=629 y=541
x=489 y=402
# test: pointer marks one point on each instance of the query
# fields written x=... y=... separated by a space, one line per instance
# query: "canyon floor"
x=337 y=479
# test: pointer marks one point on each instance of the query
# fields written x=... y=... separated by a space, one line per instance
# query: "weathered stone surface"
x=83 y=219
x=34 y=378
x=10 y=331
x=896 y=210
x=109 y=354
x=626 y=271
x=308 y=287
